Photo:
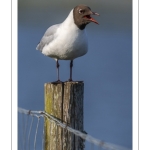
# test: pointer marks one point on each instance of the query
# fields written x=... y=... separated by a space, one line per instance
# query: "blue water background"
x=106 y=69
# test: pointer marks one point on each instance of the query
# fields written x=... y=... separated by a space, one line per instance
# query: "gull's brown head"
x=82 y=16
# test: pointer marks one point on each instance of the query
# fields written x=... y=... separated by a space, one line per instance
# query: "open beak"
x=90 y=18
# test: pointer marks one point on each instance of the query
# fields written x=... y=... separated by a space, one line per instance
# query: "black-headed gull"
x=68 y=40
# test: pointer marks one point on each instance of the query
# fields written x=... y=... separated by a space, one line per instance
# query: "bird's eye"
x=81 y=11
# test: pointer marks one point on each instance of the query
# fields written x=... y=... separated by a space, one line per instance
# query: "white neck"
x=69 y=22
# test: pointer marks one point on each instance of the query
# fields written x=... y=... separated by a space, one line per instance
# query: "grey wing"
x=48 y=37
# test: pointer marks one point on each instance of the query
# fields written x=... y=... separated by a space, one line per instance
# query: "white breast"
x=69 y=43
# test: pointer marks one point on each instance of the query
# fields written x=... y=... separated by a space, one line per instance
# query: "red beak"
x=92 y=19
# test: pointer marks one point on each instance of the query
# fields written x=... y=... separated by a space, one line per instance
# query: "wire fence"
x=31 y=132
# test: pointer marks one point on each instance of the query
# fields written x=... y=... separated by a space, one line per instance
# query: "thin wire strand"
x=84 y=136
x=36 y=133
x=23 y=130
x=20 y=134
x=30 y=132
x=26 y=124
x=43 y=147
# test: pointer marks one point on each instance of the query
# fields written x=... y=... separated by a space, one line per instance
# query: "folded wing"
x=48 y=37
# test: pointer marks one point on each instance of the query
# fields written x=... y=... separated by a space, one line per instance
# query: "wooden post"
x=65 y=102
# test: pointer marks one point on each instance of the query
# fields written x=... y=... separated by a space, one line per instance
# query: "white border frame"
x=143 y=57
x=5 y=74
x=14 y=74
x=144 y=74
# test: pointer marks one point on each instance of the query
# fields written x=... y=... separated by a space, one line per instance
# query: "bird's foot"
x=70 y=80
x=56 y=82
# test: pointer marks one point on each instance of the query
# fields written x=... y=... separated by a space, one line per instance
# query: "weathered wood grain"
x=65 y=102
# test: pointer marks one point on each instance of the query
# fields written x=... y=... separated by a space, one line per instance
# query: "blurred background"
x=106 y=69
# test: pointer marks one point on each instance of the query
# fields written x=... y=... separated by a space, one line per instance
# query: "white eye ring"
x=81 y=11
